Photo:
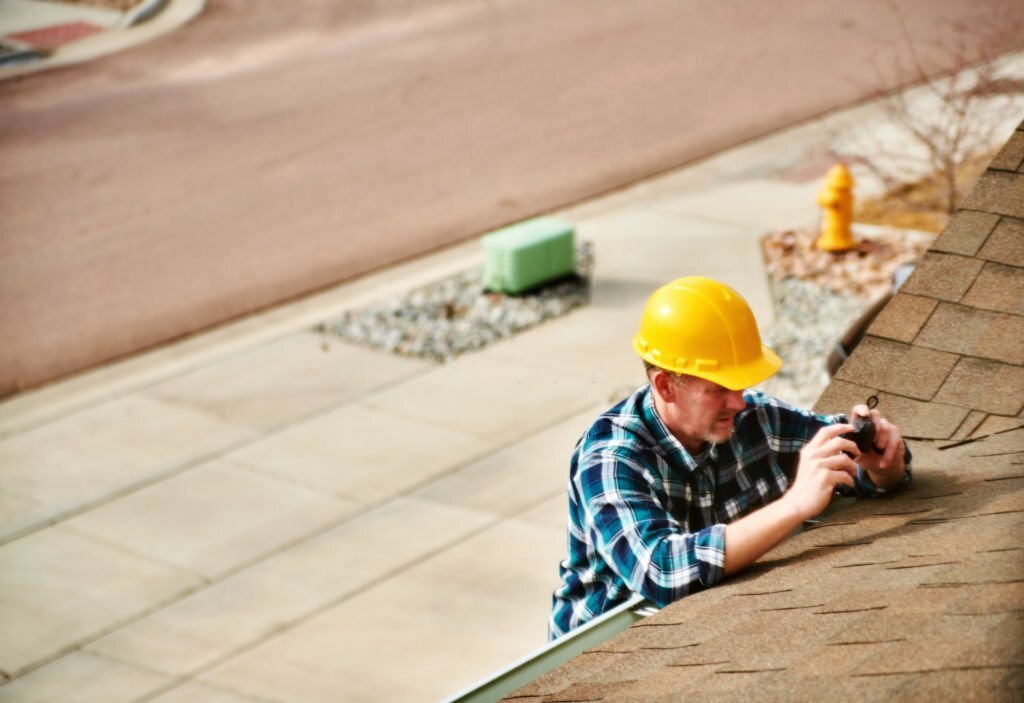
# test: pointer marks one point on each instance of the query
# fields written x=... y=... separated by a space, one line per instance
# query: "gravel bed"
x=450 y=317
x=816 y=296
x=866 y=270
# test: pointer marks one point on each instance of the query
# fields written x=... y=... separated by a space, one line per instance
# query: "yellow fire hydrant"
x=836 y=199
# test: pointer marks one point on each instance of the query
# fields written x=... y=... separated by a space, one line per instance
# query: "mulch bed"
x=865 y=272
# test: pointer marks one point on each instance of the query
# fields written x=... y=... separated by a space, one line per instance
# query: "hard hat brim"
x=734 y=378
x=747 y=375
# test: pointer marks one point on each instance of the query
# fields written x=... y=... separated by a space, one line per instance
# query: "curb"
x=20 y=53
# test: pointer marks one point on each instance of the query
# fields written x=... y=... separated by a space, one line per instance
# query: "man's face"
x=703 y=411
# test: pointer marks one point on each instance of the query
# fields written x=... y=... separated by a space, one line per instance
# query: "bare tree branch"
x=950 y=119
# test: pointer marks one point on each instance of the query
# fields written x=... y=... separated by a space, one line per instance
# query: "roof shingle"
x=903 y=317
x=943 y=276
x=901 y=369
x=966 y=232
x=998 y=192
x=983 y=385
x=972 y=332
x=916 y=596
x=1011 y=156
x=1006 y=243
x=998 y=287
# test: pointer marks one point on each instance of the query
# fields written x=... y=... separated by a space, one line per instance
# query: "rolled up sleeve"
x=647 y=547
x=864 y=487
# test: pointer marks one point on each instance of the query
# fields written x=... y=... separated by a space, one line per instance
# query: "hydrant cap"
x=839 y=177
x=704 y=328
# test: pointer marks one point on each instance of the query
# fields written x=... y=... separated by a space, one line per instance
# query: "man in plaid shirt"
x=692 y=477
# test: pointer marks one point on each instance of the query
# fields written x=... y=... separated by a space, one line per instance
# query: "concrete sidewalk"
x=264 y=513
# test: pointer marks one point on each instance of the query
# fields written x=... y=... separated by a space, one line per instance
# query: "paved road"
x=270 y=149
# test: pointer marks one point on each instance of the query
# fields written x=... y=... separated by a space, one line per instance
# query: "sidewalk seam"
x=256 y=436
x=354 y=593
x=276 y=551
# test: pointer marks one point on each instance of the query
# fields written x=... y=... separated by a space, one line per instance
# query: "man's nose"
x=734 y=401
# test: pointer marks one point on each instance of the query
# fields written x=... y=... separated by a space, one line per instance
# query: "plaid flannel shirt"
x=647 y=517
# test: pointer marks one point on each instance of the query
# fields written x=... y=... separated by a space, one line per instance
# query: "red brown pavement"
x=271 y=150
x=57 y=35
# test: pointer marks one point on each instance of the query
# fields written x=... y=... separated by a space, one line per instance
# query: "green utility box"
x=525 y=255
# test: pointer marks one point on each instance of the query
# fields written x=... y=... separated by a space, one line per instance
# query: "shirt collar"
x=670 y=447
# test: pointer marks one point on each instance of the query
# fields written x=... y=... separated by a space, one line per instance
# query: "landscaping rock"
x=445 y=319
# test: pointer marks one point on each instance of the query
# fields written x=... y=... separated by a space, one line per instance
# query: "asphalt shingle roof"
x=919 y=595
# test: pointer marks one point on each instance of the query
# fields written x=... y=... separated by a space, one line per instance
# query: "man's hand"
x=822 y=467
x=885 y=465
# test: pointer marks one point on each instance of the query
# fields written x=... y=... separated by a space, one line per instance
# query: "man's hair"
x=650 y=368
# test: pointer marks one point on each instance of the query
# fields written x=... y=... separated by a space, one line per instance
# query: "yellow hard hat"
x=704 y=328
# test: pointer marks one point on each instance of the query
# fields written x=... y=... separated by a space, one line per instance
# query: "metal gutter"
x=556 y=653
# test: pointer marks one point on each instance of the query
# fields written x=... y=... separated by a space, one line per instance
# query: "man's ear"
x=663 y=385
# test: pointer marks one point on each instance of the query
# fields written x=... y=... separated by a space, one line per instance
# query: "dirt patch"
x=921 y=205
x=817 y=295
x=865 y=271
x=896 y=233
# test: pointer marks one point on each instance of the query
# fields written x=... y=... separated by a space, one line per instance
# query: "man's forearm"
x=747 y=539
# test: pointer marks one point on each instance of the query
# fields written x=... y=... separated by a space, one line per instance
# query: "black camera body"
x=863 y=434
